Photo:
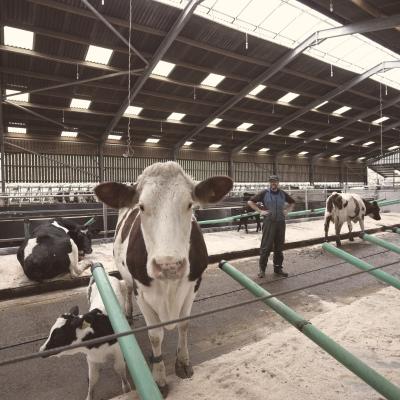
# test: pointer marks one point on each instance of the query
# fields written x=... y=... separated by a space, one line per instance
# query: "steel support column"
x=311 y=166
x=100 y=156
x=162 y=49
x=2 y=145
x=231 y=167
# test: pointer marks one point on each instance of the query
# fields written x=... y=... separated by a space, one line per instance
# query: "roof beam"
x=162 y=49
x=328 y=96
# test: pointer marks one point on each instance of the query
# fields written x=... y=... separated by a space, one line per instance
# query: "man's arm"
x=258 y=198
x=290 y=203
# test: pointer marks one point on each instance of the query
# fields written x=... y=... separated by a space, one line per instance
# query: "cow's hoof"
x=164 y=390
x=338 y=244
x=183 y=371
x=351 y=239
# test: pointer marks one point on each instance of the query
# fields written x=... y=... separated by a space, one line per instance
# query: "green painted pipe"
x=137 y=366
x=367 y=374
x=396 y=230
x=381 y=275
x=381 y=242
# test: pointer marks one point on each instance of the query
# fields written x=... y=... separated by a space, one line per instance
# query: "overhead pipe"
x=355 y=365
x=137 y=366
x=381 y=242
x=381 y=275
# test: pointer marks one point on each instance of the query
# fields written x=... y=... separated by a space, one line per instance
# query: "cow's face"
x=82 y=236
x=165 y=196
x=373 y=211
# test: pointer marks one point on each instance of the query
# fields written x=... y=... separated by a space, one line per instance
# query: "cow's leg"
x=328 y=219
x=120 y=369
x=93 y=371
x=246 y=220
x=76 y=267
x=183 y=367
x=350 y=226
x=258 y=223
x=156 y=337
x=240 y=224
x=338 y=227
x=362 y=225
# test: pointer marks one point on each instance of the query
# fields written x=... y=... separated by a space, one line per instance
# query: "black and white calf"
x=54 y=248
x=74 y=328
x=348 y=207
x=160 y=251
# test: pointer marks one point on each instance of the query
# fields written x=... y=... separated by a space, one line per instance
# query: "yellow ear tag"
x=85 y=324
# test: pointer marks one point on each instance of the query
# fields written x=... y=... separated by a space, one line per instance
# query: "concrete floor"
x=66 y=378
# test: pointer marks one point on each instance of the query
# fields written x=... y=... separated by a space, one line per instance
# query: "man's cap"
x=274 y=178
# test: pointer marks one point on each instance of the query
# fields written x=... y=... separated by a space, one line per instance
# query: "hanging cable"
x=77 y=71
x=247 y=42
x=380 y=115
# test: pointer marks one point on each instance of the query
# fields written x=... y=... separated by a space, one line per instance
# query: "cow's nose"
x=168 y=267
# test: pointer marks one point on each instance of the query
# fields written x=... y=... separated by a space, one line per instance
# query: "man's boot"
x=261 y=273
x=279 y=271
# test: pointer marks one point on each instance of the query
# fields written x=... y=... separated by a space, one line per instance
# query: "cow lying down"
x=55 y=248
x=74 y=328
x=348 y=207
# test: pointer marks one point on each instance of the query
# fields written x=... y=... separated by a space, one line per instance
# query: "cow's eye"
x=141 y=206
x=190 y=206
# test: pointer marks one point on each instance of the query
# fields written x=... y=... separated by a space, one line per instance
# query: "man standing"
x=277 y=204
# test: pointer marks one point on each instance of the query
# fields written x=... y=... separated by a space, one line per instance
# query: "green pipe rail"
x=381 y=275
x=366 y=373
x=381 y=242
x=301 y=213
x=137 y=366
x=396 y=230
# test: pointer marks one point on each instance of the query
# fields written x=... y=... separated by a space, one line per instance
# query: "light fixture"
x=21 y=97
x=360 y=158
x=152 y=140
x=214 y=146
x=16 y=129
x=296 y=133
x=212 y=80
x=80 y=103
x=132 y=110
x=366 y=144
x=99 y=55
x=175 y=116
x=288 y=97
x=257 y=90
x=163 y=68
x=18 y=37
x=336 y=139
x=393 y=148
x=335 y=156
x=245 y=126
x=303 y=153
x=263 y=149
x=114 y=137
x=215 y=122
x=275 y=130
x=243 y=148
x=341 y=110
x=72 y=134
x=188 y=143
x=380 y=120
x=320 y=105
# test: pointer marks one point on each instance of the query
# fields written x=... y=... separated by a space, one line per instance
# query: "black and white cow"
x=54 y=248
x=348 y=207
x=160 y=251
x=74 y=328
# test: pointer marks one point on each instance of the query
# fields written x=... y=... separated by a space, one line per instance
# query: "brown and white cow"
x=348 y=207
x=160 y=251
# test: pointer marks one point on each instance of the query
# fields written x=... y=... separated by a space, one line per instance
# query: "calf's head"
x=165 y=195
x=80 y=234
x=372 y=210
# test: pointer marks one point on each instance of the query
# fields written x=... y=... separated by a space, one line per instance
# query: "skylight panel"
x=18 y=37
x=393 y=148
x=213 y=80
x=280 y=18
x=72 y=134
x=336 y=139
x=299 y=28
x=288 y=97
x=80 y=103
x=366 y=144
x=380 y=120
x=215 y=122
x=175 y=116
x=229 y=7
x=243 y=148
x=163 y=68
x=21 y=97
x=244 y=126
x=320 y=105
x=188 y=143
x=114 y=137
x=257 y=90
x=257 y=10
x=341 y=110
x=99 y=55
x=275 y=130
x=264 y=149
x=133 y=110
x=152 y=140
x=16 y=129
x=214 y=146
x=303 y=153
x=296 y=133
x=361 y=158
x=335 y=156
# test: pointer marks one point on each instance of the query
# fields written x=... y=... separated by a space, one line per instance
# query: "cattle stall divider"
x=381 y=275
x=355 y=365
x=137 y=366
x=381 y=242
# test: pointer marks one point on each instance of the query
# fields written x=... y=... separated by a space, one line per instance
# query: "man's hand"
x=285 y=212
x=264 y=212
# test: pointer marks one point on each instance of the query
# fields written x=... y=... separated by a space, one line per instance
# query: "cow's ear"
x=117 y=195
x=375 y=203
x=74 y=310
x=212 y=189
